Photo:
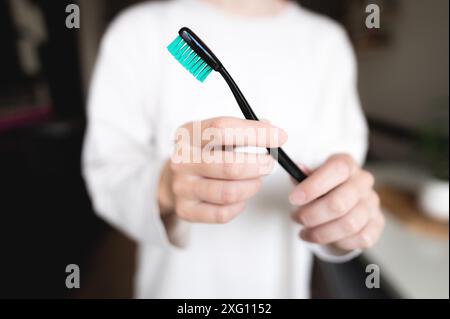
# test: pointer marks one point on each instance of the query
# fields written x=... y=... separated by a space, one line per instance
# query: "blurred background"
x=46 y=219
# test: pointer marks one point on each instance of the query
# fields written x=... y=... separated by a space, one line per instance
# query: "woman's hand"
x=214 y=187
x=338 y=205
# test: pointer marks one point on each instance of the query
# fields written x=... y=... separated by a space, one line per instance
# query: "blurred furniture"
x=23 y=116
x=46 y=217
x=11 y=74
x=403 y=206
x=413 y=252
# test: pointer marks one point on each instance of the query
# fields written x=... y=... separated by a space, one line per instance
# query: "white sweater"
x=296 y=69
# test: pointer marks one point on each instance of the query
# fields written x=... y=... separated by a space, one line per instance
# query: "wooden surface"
x=403 y=205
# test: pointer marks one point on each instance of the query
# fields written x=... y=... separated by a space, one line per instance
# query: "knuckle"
x=341 y=157
x=348 y=159
x=337 y=205
x=222 y=215
x=311 y=189
x=369 y=177
x=181 y=211
x=304 y=219
x=350 y=225
x=301 y=218
x=342 y=165
x=366 y=240
x=177 y=186
x=231 y=170
x=316 y=237
x=226 y=214
x=217 y=123
x=229 y=194
x=296 y=217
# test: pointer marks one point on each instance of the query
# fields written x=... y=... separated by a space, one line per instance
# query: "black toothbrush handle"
x=289 y=165
x=278 y=153
x=208 y=56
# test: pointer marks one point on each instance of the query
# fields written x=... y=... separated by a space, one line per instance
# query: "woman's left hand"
x=338 y=205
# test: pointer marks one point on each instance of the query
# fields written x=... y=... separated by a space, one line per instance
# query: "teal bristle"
x=189 y=59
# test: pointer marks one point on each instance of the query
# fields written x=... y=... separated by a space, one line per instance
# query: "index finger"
x=336 y=170
x=231 y=131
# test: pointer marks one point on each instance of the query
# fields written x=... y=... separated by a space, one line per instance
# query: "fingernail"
x=276 y=136
x=297 y=197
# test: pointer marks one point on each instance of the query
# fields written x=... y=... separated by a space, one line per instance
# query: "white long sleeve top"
x=296 y=68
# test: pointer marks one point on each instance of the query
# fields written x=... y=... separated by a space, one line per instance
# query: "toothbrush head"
x=193 y=54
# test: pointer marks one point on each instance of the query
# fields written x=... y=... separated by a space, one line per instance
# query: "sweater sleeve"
x=121 y=163
x=339 y=108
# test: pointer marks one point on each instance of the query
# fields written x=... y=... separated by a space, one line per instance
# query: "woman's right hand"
x=205 y=184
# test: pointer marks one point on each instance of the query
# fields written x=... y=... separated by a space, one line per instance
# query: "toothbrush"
x=200 y=61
